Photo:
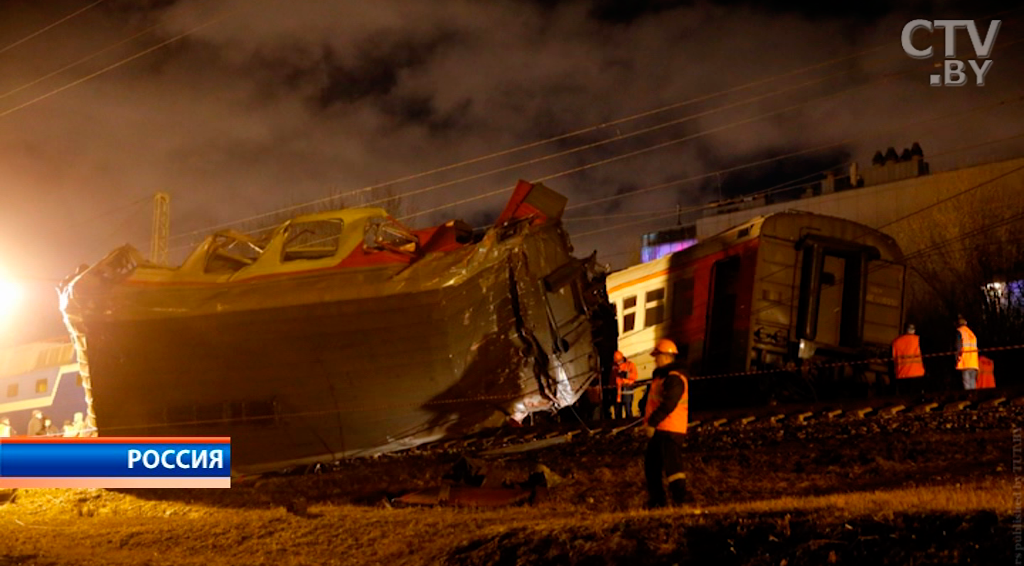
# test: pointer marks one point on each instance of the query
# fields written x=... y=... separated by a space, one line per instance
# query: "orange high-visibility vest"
x=968 y=358
x=906 y=353
x=677 y=420
x=631 y=376
x=986 y=373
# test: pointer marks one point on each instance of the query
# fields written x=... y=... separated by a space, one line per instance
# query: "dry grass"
x=994 y=495
x=869 y=494
x=126 y=530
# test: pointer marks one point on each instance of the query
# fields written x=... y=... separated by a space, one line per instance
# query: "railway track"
x=716 y=429
x=568 y=427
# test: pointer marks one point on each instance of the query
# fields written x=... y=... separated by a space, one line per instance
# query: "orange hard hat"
x=619 y=356
x=665 y=346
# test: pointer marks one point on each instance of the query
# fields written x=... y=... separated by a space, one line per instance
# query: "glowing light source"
x=10 y=297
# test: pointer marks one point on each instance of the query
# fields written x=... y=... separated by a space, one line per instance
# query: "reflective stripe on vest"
x=677 y=420
x=906 y=352
x=969 y=357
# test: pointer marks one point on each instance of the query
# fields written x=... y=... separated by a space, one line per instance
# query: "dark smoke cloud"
x=280 y=102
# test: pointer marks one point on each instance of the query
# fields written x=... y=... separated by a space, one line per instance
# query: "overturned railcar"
x=341 y=334
x=780 y=306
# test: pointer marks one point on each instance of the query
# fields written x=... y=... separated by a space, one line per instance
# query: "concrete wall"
x=904 y=209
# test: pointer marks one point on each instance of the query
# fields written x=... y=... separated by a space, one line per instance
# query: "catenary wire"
x=50 y=26
x=118 y=64
x=89 y=57
x=540 y=142
x=530 y=145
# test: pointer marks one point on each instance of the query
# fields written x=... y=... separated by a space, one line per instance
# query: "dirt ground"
x=934 y=488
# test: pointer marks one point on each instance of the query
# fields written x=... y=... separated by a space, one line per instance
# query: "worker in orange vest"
x=906 y=356
x=966 y=354
x=625 y=374
x=666 y=414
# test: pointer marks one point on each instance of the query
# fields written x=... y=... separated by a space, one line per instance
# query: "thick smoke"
x=264 y=104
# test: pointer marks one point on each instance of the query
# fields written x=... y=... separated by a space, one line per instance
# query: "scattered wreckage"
x=341 y=334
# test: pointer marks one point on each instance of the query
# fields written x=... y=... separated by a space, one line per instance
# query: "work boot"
x=678 y=491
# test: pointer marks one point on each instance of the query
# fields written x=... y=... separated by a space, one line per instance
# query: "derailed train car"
x=341 y=334
x=769 y=308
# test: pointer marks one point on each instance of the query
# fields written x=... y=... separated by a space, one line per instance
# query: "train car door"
x=721 y=317
x=830 y=306
x=832 y=288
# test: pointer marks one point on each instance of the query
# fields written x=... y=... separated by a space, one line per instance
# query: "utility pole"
x=158 y=251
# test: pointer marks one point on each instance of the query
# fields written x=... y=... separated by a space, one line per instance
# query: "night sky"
x=250 y=106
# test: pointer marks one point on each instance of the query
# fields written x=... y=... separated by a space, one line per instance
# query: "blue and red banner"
x=115 y=462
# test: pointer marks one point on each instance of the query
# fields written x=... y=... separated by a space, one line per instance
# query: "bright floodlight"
x=10 y=296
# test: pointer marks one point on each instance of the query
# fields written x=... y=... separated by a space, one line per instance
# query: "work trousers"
x=970 y=378
x=664 y=458
x=624 y=408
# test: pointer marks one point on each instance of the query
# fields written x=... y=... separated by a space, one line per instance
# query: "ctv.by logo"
x=953 y=73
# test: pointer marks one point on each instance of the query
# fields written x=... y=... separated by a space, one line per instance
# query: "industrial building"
x=897 y=194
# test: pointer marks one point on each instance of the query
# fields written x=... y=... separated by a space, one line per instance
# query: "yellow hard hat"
x=665 y=346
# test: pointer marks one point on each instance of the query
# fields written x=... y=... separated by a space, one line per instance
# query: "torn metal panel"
x=340 y=334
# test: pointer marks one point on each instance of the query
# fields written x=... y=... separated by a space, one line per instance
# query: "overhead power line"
x=51 y=26
x=117 y=64
x=768 y=160
x=568 y=135
x=526 y=146
x=674 y=141
x=78 y=62
x=663 y=213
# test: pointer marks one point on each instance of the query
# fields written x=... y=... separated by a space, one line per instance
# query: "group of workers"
x=41 y=425
x=666 y=407
x=977 y=372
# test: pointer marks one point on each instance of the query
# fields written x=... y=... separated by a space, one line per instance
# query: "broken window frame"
x=383 y=233
x=302 y=251
x=234 y=249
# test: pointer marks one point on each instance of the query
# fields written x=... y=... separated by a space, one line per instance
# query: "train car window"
x=654 y=304
x=41 y=386
x=628 y=322
x=316 y=239
x=12 y=390
x=628 y=314
x=682 y=298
